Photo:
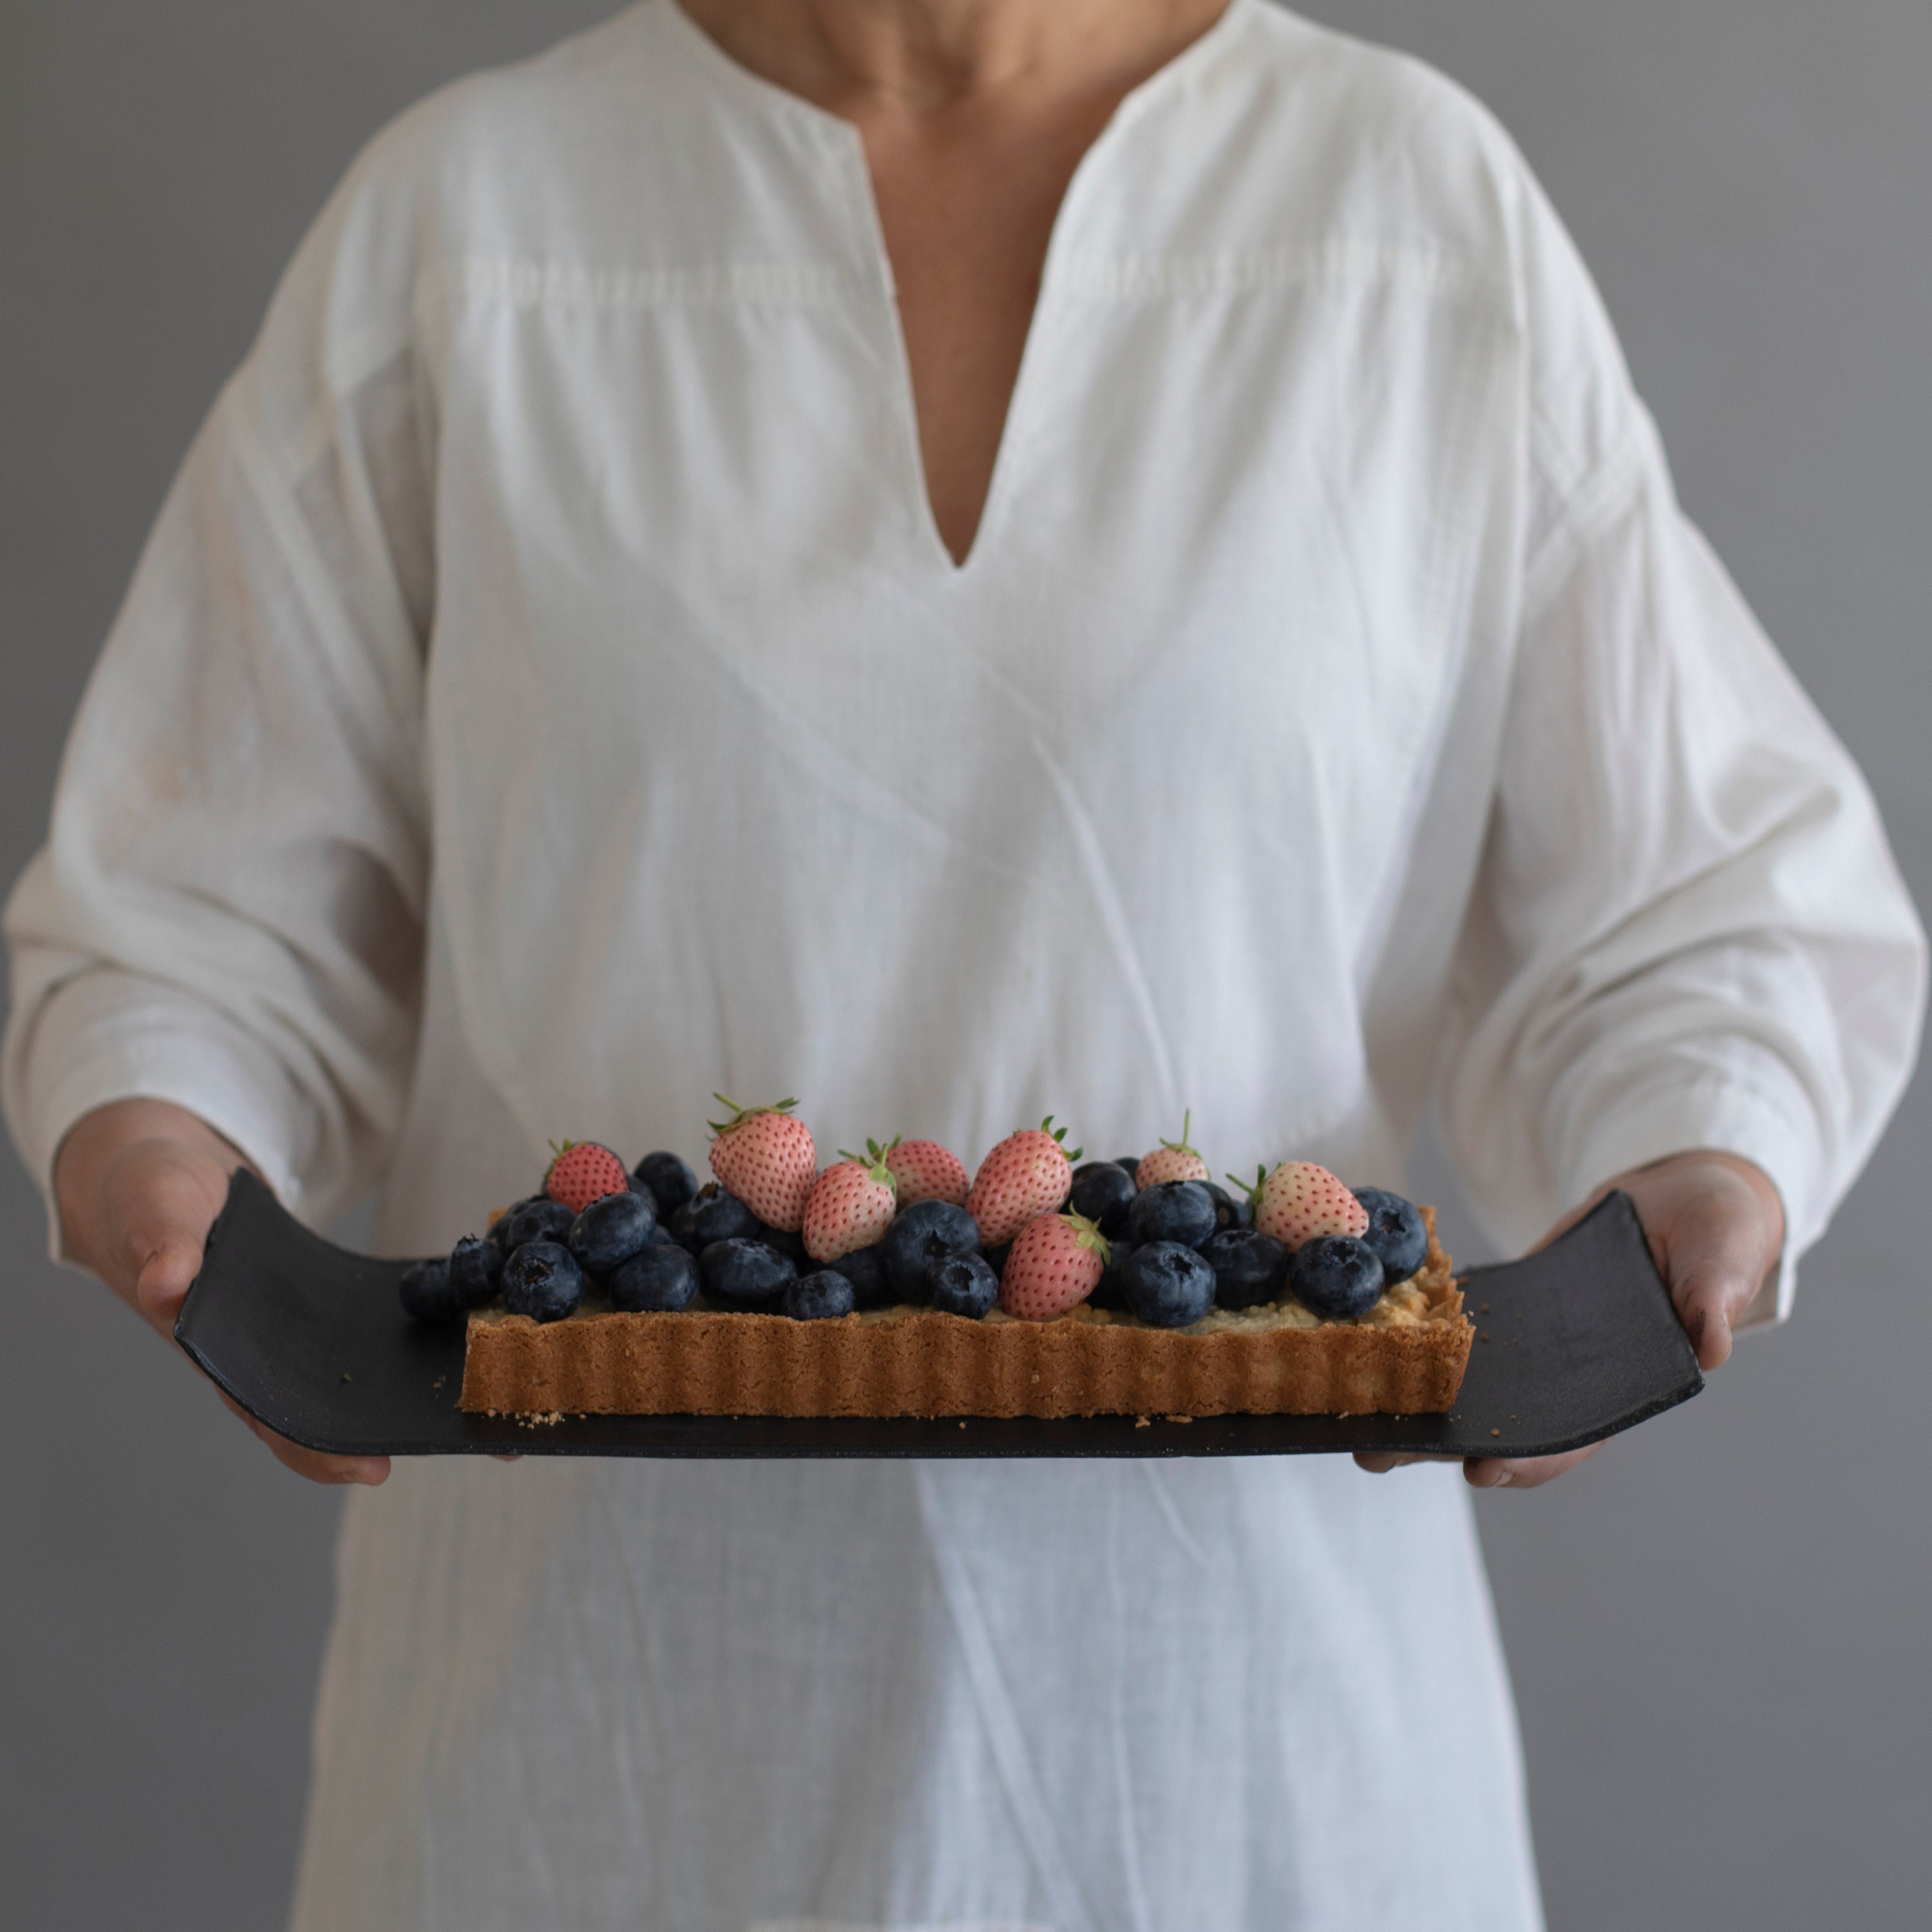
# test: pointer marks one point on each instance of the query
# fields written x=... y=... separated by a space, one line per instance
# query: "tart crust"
x=1405 y=1356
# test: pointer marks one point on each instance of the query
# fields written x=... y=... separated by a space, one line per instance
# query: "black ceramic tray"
x=1573 y=1344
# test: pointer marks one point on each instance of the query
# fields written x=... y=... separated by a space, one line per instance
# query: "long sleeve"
x=228 y=912
x=1688 y=929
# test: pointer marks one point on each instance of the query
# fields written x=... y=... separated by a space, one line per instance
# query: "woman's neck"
x=973 y=114
x=918 y=59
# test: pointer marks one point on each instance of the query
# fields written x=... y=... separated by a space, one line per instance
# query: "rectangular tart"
x=1405 y=1356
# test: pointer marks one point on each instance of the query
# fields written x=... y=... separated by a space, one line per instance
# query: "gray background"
x=1718 y=1628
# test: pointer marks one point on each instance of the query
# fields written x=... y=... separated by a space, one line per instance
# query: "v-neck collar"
x=842 y=138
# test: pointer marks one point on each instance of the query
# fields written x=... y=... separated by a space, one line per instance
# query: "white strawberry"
x=766 y=1159
x=926 y=1171
x=851 y=1205
x=1054 y=1264
x=1172 y=1160
x=1028 y=1174
x=1299 y=1200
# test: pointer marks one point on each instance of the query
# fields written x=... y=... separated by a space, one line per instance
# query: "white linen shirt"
x=546 y=699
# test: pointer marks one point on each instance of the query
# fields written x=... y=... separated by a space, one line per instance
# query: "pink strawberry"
x=766 y=1159
x=1172 y=1160
x=925 y=1171
x=851 y=1206
x=1028 y=1174
x=1054 y=1264
x=583 y=1172
x=1299 y=1200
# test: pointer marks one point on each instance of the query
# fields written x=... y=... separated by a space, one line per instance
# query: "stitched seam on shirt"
x=1582 y=513
x=521 y=283
x=374 y=694
x=1139 y=278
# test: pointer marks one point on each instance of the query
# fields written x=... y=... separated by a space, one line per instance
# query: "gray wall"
x=1718 y=1627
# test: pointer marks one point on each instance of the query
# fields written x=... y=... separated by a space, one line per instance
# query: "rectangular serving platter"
x=1573 y=1344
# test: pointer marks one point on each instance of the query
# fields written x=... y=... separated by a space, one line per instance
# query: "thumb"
x=165 y=1272
x=157 y=1209
x=1716 y=1261
x=1712 y=1281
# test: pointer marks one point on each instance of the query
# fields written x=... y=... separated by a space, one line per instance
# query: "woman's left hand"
x=1716 y=1227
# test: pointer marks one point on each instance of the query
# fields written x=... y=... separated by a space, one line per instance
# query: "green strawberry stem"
x=1253 y=1189
x=1090 y=1236
x=875 y=1155
x=1180 y=1146
x=873 y=1162
x=740 y=1114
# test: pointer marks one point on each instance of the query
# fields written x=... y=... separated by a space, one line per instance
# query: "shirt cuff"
x=1727 y=1117
x=109 y=1035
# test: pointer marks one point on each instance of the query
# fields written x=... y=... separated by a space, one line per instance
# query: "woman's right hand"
x=138 y=1184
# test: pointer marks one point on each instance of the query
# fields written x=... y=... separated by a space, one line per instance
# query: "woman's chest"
x=1265 y=516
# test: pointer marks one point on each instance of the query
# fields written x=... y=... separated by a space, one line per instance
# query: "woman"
x=955 y=560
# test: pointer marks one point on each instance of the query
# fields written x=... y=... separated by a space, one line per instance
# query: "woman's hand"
x=138 y=1184
x=1716 y=1229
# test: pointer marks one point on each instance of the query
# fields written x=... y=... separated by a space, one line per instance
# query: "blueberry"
x=791 y=1246
x=540 y=1218
x=865 y=1268
x=1111 y=1292
x=962 y=1285
x=1132 y=1162
x=475 y=1267
x=712 y=1215
x=428 y=1294
x=1250 y=1267
x=500 y=1228
x=611 y=1230
x=1168 y=1285
x=661 y=1276
x=1228 y=1212
x=667 y=1180
x=823 y=1295
x=741 y=1274
x=1103 y=1194
x=996 y=1259
x=1395 y=1231
x=926 y=1230
x=1335 y=1276
x=1172 y=1210
x=542 y=1280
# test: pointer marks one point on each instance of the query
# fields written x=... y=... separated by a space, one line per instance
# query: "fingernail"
x=1694 y=1328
